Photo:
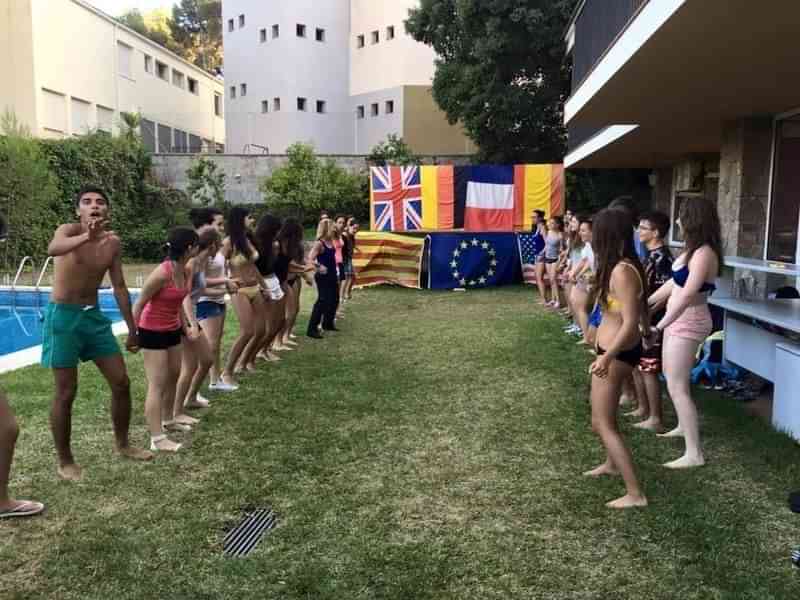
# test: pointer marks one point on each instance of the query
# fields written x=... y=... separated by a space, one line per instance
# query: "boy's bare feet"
x=70 y=472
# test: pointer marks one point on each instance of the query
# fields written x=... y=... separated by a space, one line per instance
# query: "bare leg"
x=66 y=382
x=261 y=328
x=277 y=320
x=204 y=362
x=605 y=395
x=539 y=270
x=551 y=273
x=289 y=313
x=213 y=329
x=679 y=358
x=247 y=329
x=190 y=360
x=643 y=408
x=157 y=369
x=652 y=388
x=579 y=300
x=9 y=431
x=113 y=369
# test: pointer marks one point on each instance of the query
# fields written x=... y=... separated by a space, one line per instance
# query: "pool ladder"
x=39 y=281
x=27 y=259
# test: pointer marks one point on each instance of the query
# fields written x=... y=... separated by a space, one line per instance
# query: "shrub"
x=306 y=185
x=206 y=183
x=394 y=151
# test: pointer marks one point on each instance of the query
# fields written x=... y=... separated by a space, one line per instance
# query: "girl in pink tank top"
x=161 y=321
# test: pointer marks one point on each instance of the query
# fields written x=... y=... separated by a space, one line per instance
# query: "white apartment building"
x=72 y=69
x=341 y=74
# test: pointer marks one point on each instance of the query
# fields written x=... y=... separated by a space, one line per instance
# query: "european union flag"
x=472 y=260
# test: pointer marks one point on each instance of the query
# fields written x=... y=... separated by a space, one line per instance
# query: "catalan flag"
x=387 y=258
x=468 y=198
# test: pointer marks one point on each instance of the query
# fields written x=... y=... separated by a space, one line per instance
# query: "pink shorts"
x=693 y=324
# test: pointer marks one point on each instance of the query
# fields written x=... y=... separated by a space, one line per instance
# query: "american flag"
x=530 y=246
x=397 y=198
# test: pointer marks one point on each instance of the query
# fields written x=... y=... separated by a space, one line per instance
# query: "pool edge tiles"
x=32 y=356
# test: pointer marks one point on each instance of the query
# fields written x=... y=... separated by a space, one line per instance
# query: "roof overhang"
x=708 y=62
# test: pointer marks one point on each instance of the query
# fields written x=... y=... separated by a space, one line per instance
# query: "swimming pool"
x=22 y=311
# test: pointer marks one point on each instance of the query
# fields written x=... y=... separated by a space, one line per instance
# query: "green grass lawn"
x=432 y=449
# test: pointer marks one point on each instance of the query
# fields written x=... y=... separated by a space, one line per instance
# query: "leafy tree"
x=153 y=25
x=130 y=123
x=196 y=27
x=394 y=151
x=206 y=183
x=306 y=185
x=501 y=71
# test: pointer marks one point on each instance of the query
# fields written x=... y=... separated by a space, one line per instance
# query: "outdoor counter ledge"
x=783 y=313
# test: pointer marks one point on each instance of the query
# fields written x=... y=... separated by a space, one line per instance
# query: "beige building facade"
x=340 y=74
x=74 y=69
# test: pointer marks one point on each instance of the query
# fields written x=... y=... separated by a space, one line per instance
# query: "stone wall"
x=245 y=172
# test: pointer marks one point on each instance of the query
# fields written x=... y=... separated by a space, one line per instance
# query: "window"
x=181 y=142
x=276 y=104
x=217 y=105
x=360 y=41
x=301 y=30
x=80 y=116
x=264 y=106
x=241 y=21
x=389 y=107
x=390 y=32
x=125 y=54
x=164 y=138
x=320 y=35
x=301 y=104
x=230 y=25
x=263 y=35
x=782 y=235
x=105 y=118
x=376 y=37
x=233 y=92
x=148 y=64
x=321 y=106
x=194 y=88
x=161 y=70
x=374 y=109
x=178 y=79
x=195 y=144
x=276 y=31
x=243 y=90
x=148 y=129
x=55 y=111
x=360 y=112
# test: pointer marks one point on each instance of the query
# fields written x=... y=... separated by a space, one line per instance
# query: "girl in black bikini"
x=620 y=290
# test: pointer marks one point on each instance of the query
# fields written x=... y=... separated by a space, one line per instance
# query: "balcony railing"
x=598 y=24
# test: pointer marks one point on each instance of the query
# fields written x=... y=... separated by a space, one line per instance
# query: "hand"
x=97 y=228
x=599 y=368
x=192 y=332
x=232 y=285
x=653 y=337
x=132 y=343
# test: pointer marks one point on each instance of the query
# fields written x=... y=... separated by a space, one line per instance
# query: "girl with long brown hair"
x=620 y=291
x=687 y=321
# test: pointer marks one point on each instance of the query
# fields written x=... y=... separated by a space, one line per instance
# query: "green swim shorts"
x=73 y=333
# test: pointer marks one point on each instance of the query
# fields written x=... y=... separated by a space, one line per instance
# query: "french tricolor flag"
x=490 y=199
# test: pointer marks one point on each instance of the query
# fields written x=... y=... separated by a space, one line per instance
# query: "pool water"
x=22 y=313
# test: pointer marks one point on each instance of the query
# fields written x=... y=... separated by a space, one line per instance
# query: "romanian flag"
x=470 y=198
x=387 y=258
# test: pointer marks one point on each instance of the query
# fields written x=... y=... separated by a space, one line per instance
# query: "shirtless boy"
x=75 y=330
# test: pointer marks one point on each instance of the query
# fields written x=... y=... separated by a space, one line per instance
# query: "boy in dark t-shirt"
x=653 y=229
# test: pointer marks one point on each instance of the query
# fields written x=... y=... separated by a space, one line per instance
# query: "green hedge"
x=42 y=177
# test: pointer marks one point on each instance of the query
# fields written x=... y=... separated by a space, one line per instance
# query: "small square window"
x=276 y=104
x=301 y=30
x=360 y=112
x=241 y=21
x=276 y=31
x=148 y=64
x=301 y=104
x=360 y=41
x=233 y=92
x=376 y=37
x=162 y=70
x=320 y=36
x=177 y=78
x=263 y=35
x=231 y=26
x=390 y=32
x=194 y=88
x=389 y=107
x=264 y=106
x=243 y=90
x=321 y=106
x=374 y=109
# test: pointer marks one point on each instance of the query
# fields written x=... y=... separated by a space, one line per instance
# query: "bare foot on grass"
x=70 y=472
x=604 y=469
x=639 y=413
x=627 y=501
x=686 y=462
x=677 y=432
x=134 y=453
x=651 y=424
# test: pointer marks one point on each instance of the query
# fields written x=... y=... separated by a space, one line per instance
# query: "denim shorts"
x=209 y=310
x=596 y=316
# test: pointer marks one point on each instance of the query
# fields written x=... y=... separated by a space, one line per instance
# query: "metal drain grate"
x=243 y=539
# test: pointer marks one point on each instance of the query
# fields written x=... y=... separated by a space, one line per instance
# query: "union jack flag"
x=396 y=198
